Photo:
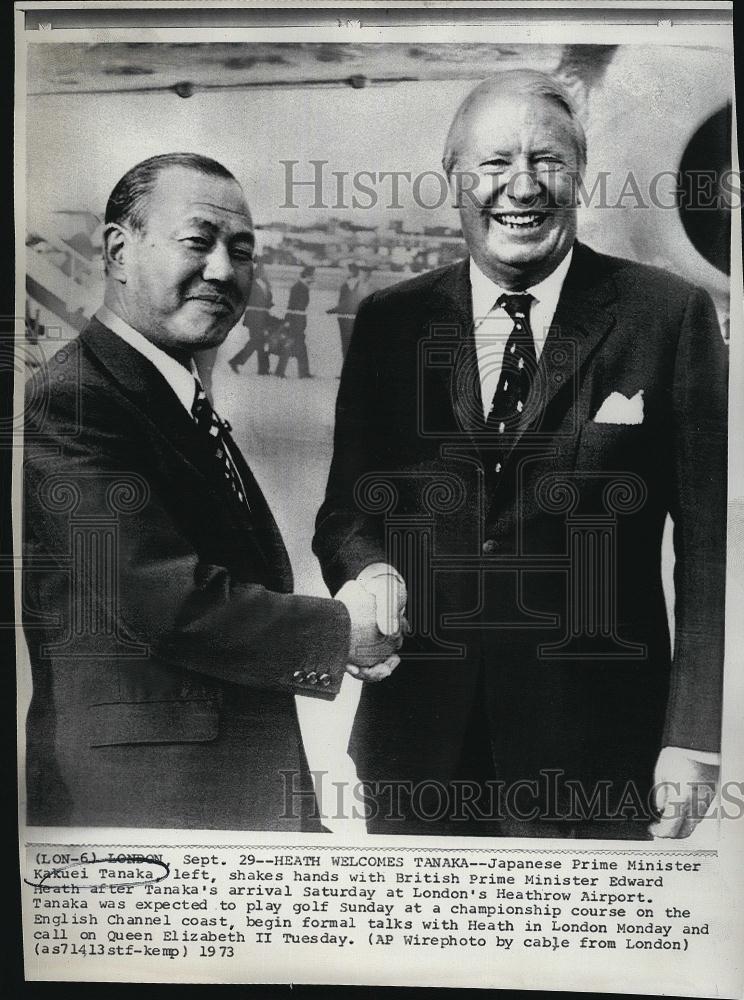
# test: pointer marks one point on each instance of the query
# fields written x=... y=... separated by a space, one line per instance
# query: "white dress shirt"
x=182 y=381
x=493 y=325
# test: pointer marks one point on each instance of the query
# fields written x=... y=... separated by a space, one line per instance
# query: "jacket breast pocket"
x=613 y=469
x=613 y=447
x=178 y=721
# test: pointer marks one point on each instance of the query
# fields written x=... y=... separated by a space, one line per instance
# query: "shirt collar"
x=546 y=292
x=182 y=382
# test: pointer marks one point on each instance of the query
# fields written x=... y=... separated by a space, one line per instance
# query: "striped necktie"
x=518 y=369
x=218 y=431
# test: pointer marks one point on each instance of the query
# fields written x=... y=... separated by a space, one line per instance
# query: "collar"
x=546 y=293
x=182 y=382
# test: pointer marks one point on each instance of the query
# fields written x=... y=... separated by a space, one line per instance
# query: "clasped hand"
x=684 y=788
x=377 y=626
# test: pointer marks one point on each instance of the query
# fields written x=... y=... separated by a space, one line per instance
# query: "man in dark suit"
x=296 y=322
x=350 y=295
x=256 y=319
x=511 y=433
x=166 y=645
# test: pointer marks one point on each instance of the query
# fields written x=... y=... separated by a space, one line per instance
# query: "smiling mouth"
x=216 y=302
x=522 y=220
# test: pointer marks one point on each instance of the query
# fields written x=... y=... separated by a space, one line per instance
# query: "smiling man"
x=166 y=644
x=518 y=207
x=511 y=433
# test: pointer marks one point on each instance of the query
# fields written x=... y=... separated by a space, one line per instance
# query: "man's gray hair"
x=517 y=83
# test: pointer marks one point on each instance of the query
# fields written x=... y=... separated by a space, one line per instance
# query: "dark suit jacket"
x=166 y=645
x=536 y=595
x=299 y=296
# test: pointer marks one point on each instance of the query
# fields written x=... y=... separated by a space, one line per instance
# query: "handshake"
x=376 y=603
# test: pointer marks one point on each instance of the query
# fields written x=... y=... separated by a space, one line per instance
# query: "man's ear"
x=462 y=184
x=451 y=183
x=116 y=240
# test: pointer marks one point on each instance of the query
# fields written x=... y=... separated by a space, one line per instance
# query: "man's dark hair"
x=128 y=201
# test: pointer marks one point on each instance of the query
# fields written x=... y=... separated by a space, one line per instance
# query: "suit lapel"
x=154 y=399
x=448 y=333
x=271 y=541
x=145 y=387
x=583 y=318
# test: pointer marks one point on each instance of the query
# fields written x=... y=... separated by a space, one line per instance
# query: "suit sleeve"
x=190 y=614
x=698 y=509
x=348 y=538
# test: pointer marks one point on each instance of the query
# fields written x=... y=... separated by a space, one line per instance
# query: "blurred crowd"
x=333 y=243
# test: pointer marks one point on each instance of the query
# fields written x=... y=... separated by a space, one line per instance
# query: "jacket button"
x=324 y=680
x=490 y=546
x=312 y=677
x=298 y=676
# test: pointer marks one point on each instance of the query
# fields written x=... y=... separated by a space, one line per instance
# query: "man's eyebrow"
x=198 y=220
x=220 y=208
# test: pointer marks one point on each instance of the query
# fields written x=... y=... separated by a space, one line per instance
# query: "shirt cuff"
x=378 y=569
x=703 y=756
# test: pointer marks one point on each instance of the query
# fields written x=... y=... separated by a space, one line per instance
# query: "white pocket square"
x=618 y=409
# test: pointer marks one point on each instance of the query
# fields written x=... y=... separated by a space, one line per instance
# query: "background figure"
x=350 y=295
x=296 y=322
x=256 y=319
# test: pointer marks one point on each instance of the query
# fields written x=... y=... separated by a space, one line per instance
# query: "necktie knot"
x=517 y=305
x=204 y=414
x=201 y=405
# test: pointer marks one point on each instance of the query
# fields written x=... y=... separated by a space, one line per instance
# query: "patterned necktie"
x=219 y=434
x=518 y=369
